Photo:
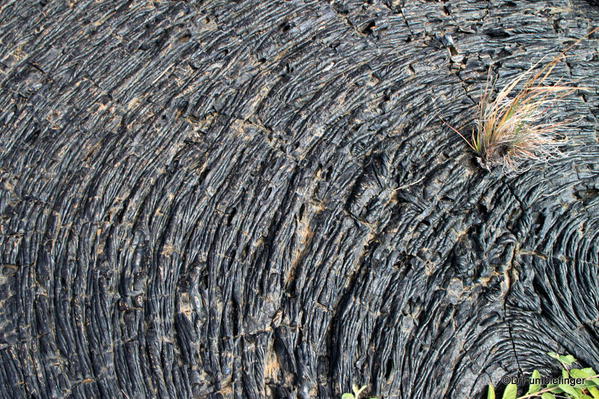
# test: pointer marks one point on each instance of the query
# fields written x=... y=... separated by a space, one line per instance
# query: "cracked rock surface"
x=259 y=199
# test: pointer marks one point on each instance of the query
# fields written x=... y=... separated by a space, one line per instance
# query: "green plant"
x=356 y=392
x=513 y=127
x=574 y=383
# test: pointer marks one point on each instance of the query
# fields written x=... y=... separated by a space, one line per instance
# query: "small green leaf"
x=582 y=373
x=595 y=392
x=565 y=374
x=570 y=390
x=567 y=359
x=534 y=388
x=348 y=396
x=588 y=384
x=553 y=355
x=547 y=395
x=511 y=391
x=491 y=392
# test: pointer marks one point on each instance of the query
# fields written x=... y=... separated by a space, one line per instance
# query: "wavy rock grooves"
x=258 y=199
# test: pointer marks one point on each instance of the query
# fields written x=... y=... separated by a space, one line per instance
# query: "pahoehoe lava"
x=259 y=199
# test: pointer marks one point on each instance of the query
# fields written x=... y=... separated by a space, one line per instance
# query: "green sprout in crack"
x=356 y=392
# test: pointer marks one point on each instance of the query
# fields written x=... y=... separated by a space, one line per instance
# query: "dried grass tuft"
x=512 y=127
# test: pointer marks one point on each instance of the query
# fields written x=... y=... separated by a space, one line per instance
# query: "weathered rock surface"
x=258 y=199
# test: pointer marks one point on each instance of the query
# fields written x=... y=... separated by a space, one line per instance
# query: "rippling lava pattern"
x=258 y=199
